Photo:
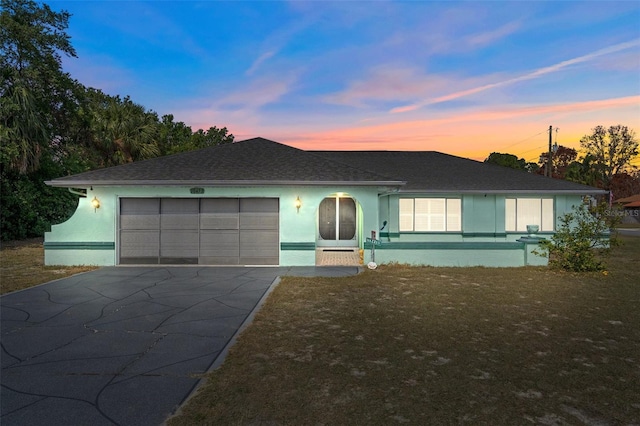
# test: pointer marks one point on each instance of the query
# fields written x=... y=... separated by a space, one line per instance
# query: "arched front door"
x=337 y=222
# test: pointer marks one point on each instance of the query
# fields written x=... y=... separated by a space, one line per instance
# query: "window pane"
x=430 y=214
x=422 y=214
x=437 y=214
x=529 y=213
x=406 y=214
x=510 y=214
x=454 y=215
x=547 y=214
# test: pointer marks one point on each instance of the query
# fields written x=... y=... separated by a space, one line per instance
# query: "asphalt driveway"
x=123 y=345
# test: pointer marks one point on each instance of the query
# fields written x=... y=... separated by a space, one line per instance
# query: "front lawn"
x=437 y=346
x=22 y=266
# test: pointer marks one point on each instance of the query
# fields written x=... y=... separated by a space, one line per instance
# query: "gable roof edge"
x=82 y=183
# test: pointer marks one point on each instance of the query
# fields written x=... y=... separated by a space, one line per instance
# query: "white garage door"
x=208 y=231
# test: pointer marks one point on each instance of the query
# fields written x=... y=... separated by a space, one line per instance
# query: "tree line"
x=606 y=161
x=51 y=125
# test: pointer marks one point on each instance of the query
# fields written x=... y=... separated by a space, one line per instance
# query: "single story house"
x=630 y=209
x=259 y=202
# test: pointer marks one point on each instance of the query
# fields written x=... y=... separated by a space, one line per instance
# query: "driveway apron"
x=123 y=345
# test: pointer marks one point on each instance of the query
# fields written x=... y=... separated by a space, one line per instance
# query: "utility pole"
x=549 y=154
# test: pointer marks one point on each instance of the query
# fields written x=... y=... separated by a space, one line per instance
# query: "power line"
x=532 y=149
x=524 y=140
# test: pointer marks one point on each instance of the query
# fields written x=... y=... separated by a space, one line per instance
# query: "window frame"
x=545 y=217
x=426 y=218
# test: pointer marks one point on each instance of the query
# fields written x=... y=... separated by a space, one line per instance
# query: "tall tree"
x=624 y=185
x=584 y=172
x=172 y=135
x=506 y=160
x=561 y=159
x=612 y=150
x=122 y=130
x=33 y=88
x=201 y=139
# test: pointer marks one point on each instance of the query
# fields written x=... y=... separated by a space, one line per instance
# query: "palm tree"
x=23 y=130
x=123 y=131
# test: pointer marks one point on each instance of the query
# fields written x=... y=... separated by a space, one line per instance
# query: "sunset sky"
x=465 y=78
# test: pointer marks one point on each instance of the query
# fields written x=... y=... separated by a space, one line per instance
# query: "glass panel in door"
x=347 y=219
x=337 y=222
x=327 y=225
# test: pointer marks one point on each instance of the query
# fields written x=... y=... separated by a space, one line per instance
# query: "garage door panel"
x=258 y=221
x=259 y=247
x=259 y=205
x=258 y=260
x=179 y=213
x=220 y=205
x=180 y=206
x=219 y=213
x=178 y=260
x=139 y=213
x=174 y=221
x=219 y=221
x=139 y=206
x=259 y=213
x=139 y=222
x=174 y=243
x=223 y=243
x=139 y=243
x=139 y=260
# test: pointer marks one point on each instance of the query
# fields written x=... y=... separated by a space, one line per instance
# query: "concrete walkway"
x=123 y=345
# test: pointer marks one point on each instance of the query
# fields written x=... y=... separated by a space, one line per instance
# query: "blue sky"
x=467 y=78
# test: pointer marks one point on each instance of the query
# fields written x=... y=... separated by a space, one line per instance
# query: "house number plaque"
x=197 y=190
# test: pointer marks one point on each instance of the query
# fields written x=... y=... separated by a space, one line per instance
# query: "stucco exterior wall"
x=90 y=235
x=482 y=241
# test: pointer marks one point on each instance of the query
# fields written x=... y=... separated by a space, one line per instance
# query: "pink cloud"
x=388 y=84
x=529 y=76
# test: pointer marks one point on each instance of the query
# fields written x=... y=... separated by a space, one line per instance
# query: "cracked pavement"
x=124 y=345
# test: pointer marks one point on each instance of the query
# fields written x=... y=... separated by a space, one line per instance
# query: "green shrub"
x=582 y=241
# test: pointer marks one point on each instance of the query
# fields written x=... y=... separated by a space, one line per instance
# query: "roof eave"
x=506 y=191
x=83 y=183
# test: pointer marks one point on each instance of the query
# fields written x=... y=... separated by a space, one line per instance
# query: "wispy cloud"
x=388 y=83
x=491 y=36
x=529 y=76
x=241 y=108
x=256 y=64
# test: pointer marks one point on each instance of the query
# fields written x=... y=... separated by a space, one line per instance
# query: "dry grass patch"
x=437 y=346
x=22 y=266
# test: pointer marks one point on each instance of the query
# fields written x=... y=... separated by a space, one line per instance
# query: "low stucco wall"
x=511 y=254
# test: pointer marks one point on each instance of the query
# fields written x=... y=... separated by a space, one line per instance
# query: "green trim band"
x=484 y=234
x=71 y=245
x=389 y=235
x=448 y=246
x=298 y=246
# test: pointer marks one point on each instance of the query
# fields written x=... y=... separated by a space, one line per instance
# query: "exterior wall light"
x=298 y=204
x=95 y=203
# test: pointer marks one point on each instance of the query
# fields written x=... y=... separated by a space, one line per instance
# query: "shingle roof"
x=431 y=171
x=260 y=161
x=255 y=161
